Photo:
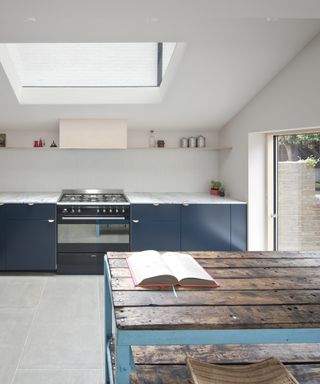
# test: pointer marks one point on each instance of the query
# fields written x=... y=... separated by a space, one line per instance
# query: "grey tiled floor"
x=51 y=329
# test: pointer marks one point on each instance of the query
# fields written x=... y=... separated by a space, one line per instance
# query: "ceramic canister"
x=201 y=141
x=192 y=142
x=184 y=142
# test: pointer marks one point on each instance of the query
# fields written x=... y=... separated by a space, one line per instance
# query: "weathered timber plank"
x=178 y=374
x=306 y=373
x=241 y=263
x=225 y=255
x=237 y=284
x=166 y=298
x=161 y=375
x=220 y=317
x=242 y=272
x=227 y=353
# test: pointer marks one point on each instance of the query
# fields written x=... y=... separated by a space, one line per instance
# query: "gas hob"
x=93 y=197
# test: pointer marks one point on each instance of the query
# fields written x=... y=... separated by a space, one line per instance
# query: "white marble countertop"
x=178 y=198
x=29 y=197
x=134 y=198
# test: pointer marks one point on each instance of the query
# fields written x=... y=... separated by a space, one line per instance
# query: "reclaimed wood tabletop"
x=257 y=290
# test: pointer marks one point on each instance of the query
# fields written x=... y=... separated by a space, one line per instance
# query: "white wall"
x=132 y=170
x=290 y=101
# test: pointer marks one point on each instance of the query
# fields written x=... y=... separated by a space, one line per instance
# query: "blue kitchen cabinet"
x=2 y=254
x=238 y=227
x=205 y=227
x=30 y=237
x=155 y=227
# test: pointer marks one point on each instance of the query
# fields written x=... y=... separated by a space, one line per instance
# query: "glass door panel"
x=297 y=176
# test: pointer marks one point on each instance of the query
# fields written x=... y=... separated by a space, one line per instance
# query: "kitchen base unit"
x=189 y=227
x=155 y=227
x=29 y=237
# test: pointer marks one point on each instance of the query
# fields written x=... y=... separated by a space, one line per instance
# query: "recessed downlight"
x=272 y=19
x=31 y=19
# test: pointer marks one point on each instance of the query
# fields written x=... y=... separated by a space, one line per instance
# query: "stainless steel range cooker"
x=90 y=223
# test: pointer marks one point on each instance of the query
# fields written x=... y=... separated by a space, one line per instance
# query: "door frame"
x=272 y=183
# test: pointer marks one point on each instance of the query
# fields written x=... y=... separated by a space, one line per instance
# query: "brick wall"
x=299 y=207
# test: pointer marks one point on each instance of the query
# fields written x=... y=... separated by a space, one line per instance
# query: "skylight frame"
x=95 y=96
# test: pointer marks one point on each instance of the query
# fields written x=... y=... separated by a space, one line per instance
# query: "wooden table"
x=264 y=298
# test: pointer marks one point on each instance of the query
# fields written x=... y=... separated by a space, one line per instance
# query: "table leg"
x=124 y=364
x=108 y=323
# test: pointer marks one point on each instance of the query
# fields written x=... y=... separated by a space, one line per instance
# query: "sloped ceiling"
x=234 y=48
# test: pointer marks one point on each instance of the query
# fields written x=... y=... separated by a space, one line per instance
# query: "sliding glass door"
x=297 y=192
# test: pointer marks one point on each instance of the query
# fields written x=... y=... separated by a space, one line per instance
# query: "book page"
x=187 y=270
x=148 y=268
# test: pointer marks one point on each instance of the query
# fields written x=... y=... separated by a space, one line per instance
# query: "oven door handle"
x=75 y=218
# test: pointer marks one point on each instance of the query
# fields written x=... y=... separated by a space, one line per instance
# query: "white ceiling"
x=232 y=53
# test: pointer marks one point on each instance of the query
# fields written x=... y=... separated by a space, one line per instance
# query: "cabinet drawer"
x=161 y=212
x=32 y=211
x=80 y=263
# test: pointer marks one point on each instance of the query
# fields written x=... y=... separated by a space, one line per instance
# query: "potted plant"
x=215 y=186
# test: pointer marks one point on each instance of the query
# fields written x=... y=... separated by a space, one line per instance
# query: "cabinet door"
x=205 y=227
x=155 y=227
x=30 y=238
x=2 y=253
x=238 y=227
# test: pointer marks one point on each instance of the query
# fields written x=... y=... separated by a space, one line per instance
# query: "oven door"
x=93 y=234
x=82 y=243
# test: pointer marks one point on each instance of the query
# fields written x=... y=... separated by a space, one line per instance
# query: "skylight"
x=95 y=65
x=91 y=73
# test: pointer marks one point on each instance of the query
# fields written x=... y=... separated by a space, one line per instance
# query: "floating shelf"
x=33 y=148
x=119 y=149
x=182 y=149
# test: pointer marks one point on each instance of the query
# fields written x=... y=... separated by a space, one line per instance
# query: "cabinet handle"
x=156 y=204
x=185 y=204
x=50 y=221
x=93 y=256
x=135 y=221
x=30 y=204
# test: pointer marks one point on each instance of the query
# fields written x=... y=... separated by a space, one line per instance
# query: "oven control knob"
x=117 y=210
x=104 y=211
x=79 y=210
x=110 y=210
x=98 y=210
x=72 y=210
x=64 y=210
x=123 y=211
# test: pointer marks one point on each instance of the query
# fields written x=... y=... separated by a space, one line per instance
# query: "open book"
x=150 y=268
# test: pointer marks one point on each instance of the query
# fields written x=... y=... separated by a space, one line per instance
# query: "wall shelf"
x=33 y=148
x=182 y=149
x=118 y=149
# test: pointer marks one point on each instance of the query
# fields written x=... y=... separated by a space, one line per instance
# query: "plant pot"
x=214 y=192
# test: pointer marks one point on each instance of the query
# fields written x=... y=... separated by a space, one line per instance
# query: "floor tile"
x=9 y=358
x=14 y=325
x=57 y=377
x=72 y=344
x=69 y=298
x=51 y=329
x=21 y=291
